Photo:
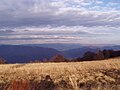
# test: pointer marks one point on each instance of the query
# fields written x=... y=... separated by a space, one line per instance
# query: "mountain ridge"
x=22 y=54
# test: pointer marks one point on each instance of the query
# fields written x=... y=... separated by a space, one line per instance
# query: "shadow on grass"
x=46 y=84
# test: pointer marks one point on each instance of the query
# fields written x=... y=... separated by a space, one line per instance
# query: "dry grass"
x=94 y=75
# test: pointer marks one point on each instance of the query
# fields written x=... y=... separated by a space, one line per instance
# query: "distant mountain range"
x=58 y=46
x=78 y=52
x=26 y=53
x=116 y=47
x=21 y=54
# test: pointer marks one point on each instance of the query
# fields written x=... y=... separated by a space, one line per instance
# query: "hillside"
x=27 y=53
x=23 y=54
x=78 y=52
x=94 y=75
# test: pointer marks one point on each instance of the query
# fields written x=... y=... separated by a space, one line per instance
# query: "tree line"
x=2 y=60
x=88 y=56
x=99 y=55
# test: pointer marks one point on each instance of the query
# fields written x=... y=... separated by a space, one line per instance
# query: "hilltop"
x=94 y=75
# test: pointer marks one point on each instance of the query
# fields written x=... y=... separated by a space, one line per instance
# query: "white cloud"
x=65 y=20
x=56 y=12
x=62 y=34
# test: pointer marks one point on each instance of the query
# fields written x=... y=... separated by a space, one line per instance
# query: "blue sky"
x=60 y=21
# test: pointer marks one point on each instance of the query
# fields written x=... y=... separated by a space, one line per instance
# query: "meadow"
x=90 y=75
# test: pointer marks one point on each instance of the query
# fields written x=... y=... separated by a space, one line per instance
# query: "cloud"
x=43 y=21
x=57 y=12
x=6 y=31
x=62 y=34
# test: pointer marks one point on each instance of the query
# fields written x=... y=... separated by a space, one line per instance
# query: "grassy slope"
x=98 y=75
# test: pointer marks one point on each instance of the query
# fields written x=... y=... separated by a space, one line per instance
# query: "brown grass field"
x=94 y=75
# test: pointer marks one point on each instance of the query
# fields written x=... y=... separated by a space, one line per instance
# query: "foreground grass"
x=94 y=75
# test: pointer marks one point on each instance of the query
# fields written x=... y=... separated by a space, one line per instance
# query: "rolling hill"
x=78 y=52
x=26 y=53
x=22 y=54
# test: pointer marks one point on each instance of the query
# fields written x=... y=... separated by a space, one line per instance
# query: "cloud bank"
x=60 y=21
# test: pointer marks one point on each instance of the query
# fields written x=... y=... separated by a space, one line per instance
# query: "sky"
x=60 y=21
